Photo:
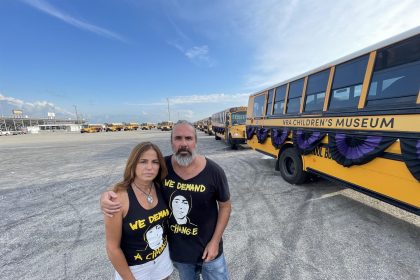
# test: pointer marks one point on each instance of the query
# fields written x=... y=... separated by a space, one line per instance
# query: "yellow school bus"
x=355 y=121
x=91 y=128
x=209 y=130
x=146 y=126
x=166 y=126
x=131 y=126
x=114 y=127
x=229 y=125
x=200 y=124
x=208 y=127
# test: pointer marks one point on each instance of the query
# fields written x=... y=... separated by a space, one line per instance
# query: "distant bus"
x=90 y=128
x=146 y=126
x=229 y=125
x=205 y=125
x=355 y=121
x=200 y=124
x=131 y=126
x=114 y=127
x=208 y=126
x=166 y=125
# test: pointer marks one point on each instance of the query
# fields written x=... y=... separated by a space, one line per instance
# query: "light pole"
x=169 y=112
x=77 y=118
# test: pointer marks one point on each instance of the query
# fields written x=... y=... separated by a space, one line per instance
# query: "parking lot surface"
x=52 y=228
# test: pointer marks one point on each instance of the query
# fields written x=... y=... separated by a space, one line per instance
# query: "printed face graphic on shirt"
x=180 y=209
x=154 y=237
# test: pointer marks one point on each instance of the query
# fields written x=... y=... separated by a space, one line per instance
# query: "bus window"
x=258 y=105
x=315 y=94
x=269 y=101
x=347 y=84
x=279 y=100
x=396 y=75
x=295 y=96
x=238 y=118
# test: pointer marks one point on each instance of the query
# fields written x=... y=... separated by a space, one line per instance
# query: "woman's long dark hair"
x=133 y=159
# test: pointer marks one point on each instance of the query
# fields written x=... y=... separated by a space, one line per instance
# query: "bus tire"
x=291 y=167
x=232 y=143
x=216 y=137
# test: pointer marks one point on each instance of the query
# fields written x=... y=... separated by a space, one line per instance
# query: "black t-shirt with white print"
x=194 y=210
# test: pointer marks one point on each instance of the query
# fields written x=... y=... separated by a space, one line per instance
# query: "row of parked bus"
x=91 y=128
x=111 y=127
x=355 y=121
x=227 y=125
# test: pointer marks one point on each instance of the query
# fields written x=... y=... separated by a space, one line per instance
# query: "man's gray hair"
x=179 y=122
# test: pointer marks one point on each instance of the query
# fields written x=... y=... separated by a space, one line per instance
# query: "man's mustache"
x=180 y=150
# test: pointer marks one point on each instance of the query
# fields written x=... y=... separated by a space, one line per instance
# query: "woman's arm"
x=113 y=231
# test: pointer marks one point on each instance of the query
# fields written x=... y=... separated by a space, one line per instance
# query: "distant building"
x=14 y=123
x=60 y=127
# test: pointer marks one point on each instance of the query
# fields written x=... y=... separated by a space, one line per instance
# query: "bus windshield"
x=238 y=118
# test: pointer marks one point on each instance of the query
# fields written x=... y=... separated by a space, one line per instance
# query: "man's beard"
x=184 y=160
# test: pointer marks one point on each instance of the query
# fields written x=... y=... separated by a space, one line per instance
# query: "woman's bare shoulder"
x=122 y=197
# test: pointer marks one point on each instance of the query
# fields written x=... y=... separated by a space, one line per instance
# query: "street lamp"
x=169 y=112
x=77 y=117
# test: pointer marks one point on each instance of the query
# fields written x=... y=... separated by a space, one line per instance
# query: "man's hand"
x=212 y=248
x=109 y=203
x=211 y=251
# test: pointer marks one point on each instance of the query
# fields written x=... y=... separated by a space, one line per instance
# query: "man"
x=197 y=249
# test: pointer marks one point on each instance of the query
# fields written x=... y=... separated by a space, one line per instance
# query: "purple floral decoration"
x=348 y=150
x=250 y=130
x=353 y=148
x=278 y=136
x=306 y=141
x=262 y=134
x=410 y=149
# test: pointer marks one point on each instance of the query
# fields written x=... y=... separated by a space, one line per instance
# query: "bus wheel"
x=232 y=143
x=291 y=167
x=216 y=137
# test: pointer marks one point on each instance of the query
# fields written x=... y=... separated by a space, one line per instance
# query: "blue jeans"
x=212 y=270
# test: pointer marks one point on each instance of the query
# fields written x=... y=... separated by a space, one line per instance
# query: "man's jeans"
x=212 y=270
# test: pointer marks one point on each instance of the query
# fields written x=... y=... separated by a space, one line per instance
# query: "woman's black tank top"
x=143 y=236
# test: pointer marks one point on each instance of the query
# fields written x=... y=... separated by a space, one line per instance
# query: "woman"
x=136 y=239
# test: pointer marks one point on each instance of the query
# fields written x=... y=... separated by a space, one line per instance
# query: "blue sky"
x=122 y=60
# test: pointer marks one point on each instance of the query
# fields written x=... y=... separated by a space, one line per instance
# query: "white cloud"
x=292 y=38
x=199 y=55
x=240 y=98
x=52 y=11
x=12 y=101
x=211 y=98
x=198 y=52
x=191 y=107
x=288 y=38
x=33 y=109
x=186 y=114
